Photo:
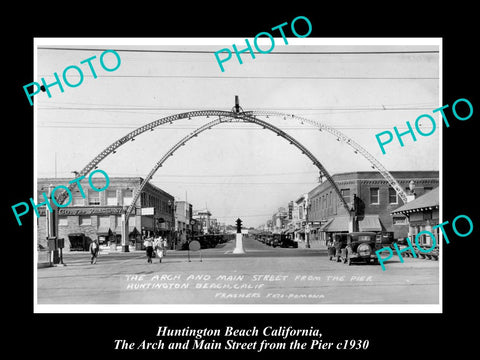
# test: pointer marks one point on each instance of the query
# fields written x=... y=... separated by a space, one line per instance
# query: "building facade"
x=374 y=200
x=280 y=220
x=183 y=216
x=203 y=217
x=97 y=215
x=423 y=215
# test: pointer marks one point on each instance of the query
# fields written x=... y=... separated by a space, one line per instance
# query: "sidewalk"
x=43 y=256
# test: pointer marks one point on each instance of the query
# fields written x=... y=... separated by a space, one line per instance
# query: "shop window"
x=374 y=198
x=62 y=220
x=392 y=196
x=104 y=221
x=85 y=220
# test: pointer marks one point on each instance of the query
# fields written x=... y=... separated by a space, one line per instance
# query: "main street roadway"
x=263 y=275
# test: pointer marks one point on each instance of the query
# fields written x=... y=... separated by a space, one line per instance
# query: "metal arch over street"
x=342 y=137
x=231 y=114
x=237 y=117
x=131 y=135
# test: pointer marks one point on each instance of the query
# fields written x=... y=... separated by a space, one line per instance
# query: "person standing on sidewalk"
x=157 y=245
x=94 y=251
x=148 y=243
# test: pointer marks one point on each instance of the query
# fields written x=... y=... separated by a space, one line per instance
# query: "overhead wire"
x=350 y=52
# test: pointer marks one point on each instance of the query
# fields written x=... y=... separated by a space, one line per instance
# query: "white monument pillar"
x=239 y=244
x=239 y=239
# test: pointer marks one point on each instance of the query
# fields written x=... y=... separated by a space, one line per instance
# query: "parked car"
x=384 y=239
x=286 y=240
x=360 y=247
x=269 y=240
x=276 y=240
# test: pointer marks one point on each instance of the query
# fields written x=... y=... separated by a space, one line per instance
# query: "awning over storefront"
x=369 y=223
x=131 y=229
x=338 y=223
x=104 y=231
x=427 y=201
x=324 y=226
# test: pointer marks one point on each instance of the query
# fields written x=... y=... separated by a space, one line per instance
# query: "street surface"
x=264 y=275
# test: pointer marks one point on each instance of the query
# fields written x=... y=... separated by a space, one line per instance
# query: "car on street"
x=360 y=247
x=384 y=239
x=269 y=240
x=286 y=240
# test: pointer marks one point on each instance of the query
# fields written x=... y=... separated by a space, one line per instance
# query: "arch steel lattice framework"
x=237 y=118
x=345 y=139
x=247 y=116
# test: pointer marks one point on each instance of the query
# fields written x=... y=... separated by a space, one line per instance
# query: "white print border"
x=241 y=308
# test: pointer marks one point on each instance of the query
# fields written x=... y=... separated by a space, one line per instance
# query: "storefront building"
x=203 y=217
x=422 y=214
x=97 y=216
x=374 y=200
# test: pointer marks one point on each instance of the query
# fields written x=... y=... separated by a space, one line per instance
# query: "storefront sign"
x=75 y=211
x=148 y=211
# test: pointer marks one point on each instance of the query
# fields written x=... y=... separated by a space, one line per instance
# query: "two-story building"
x=97 y=215
x=375 y=201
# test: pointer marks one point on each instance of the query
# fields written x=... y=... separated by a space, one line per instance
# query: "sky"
x=236 y=170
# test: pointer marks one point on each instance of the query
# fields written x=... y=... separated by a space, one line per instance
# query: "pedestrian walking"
x=148 y=243
x=94 y=251
x=164 y=246
x=158 y=246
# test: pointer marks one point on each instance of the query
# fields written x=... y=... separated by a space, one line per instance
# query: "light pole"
x=307 y=227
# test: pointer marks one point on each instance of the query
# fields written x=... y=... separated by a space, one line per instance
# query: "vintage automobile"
x=269 y=240
x=276 y=240
x=360 y=247
x=385 y=239
x=286 y=240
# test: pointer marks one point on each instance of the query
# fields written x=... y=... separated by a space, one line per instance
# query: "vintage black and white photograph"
x=218 y=175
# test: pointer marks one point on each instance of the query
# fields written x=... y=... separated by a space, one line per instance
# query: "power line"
x=76 y=126
x=242 y=175
x=232 y=183
x=313 y=173
x=228 y=217
x=273 y=52
x=112 y=108
x=264 y=77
